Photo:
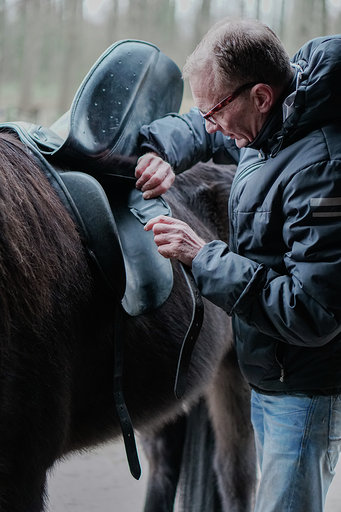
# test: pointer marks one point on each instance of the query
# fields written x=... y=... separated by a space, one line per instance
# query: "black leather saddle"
x=89 y=156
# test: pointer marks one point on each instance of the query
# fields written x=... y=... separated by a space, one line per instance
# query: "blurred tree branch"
x=47 y=46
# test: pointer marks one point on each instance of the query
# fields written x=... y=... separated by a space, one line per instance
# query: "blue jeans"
x=298 y=440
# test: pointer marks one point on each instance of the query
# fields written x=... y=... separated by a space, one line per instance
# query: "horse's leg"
x=33 y=426
x=219 y=467
x=22 y=492
x=197 y=489
x=27 y=450
x=235 y=459
x=164 y=452
x=22 y=468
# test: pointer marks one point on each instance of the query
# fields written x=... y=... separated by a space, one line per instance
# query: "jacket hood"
x=314 y=95
x=318 y=94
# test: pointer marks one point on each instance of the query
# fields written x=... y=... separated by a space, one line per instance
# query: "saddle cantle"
x=131 y=84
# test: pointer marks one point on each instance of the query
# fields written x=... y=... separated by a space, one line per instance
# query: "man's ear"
x=264 y=97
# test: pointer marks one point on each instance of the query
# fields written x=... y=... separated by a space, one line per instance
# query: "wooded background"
x=47 y=46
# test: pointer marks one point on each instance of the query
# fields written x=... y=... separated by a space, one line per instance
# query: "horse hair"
x=56 y=342
x=38 y=240
x=204 y=190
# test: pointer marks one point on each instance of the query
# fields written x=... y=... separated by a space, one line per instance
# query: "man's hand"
x=154 y=175
x=175 y=239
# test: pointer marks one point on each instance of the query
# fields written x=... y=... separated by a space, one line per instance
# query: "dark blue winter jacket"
x=280 y=275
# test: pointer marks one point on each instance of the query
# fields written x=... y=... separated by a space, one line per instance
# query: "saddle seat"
x=89 y=156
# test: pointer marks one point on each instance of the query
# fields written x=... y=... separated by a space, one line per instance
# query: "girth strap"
x=121 y=408
x=191 y=334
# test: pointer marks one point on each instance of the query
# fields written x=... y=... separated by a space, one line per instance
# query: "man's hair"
x=234 y=52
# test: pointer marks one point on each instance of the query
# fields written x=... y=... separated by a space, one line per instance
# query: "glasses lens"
x=211 y=120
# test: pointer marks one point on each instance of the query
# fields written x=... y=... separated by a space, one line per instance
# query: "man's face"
x=239 y=120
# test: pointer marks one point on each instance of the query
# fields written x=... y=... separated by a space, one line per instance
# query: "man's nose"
x=210 y=127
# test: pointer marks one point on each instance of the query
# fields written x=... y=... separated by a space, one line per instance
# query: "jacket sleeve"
x=183 y=141
x=301 y=306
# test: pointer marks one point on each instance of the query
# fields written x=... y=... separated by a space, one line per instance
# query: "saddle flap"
x=146 y=210
x=149 y=275
x=123 y=251
x=99 y=227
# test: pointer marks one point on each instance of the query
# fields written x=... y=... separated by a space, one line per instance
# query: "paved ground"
x=99 y=481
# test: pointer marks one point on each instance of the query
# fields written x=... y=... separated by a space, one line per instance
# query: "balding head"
x=234 y=52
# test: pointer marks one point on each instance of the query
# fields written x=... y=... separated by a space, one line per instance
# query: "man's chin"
x=241 y=143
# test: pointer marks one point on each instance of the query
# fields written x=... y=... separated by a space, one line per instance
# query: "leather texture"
x=132 y=83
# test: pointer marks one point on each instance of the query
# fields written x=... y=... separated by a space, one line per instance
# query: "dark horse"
x=56 y=348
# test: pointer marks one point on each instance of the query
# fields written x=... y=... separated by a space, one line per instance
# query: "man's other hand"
x=154 y=175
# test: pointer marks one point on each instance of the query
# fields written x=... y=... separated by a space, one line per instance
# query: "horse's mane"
x=41 y=256
x=204 y=190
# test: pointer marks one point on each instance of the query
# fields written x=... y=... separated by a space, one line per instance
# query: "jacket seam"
x=326 y=143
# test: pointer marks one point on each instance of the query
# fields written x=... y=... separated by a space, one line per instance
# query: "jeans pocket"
x=334 y=446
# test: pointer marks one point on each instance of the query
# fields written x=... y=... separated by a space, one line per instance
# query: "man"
x=279 y=277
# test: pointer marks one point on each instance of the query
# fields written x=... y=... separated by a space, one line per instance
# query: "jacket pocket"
x=251 y=230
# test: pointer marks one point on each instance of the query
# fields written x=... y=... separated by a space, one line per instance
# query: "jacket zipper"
x=241 y=176
x=281 y=366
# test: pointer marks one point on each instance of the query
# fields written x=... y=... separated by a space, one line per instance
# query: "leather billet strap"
x=120 y=405
x=181 y=374
x=191 y=334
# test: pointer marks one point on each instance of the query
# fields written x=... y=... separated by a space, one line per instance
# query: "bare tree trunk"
x=112 y=22
x=324 y=17
x=3 y=44
x=31 y=40
x=258 y=9
x=241 y=8
x=71 y=52
x=300 y=23
x=50 y=23
x=202 y=21
x=164 y=21
x=139 y=17
x=282 y=20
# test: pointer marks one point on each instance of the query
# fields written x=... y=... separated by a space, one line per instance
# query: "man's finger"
x=157 y=189
x=159 y=219
x=149 y=159
x=145 y=177
x=155 y=178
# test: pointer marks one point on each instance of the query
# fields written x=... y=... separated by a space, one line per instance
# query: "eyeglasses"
x=209 y=115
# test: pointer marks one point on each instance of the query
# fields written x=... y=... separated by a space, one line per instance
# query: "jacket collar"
x=270 y=138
